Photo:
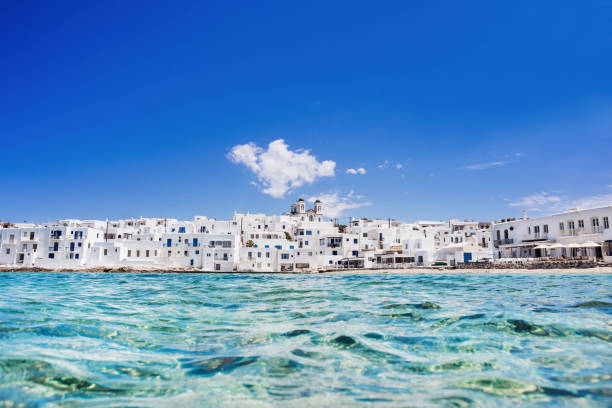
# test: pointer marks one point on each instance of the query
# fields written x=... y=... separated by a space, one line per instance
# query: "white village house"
x=302 y=239
x=575 y=233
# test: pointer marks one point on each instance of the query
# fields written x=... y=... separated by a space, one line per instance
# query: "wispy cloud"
x=383 y=164
x=601 y=200
x=360 y=170
x=399 y=166
x=335 y=205
x=536 y=201
x=279 y=169
x=482 y=166
x=552 y=202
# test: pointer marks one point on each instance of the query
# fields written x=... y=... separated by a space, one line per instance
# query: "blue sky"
x=123 y=109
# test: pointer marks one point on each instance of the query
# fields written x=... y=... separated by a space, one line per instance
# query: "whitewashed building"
x=575 y=233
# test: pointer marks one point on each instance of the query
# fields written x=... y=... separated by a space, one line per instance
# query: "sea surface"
x=173 y=340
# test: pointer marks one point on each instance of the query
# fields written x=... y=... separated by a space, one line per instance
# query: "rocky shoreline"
x=475 y=268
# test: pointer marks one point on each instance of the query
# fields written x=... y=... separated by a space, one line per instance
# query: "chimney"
x=524 y=214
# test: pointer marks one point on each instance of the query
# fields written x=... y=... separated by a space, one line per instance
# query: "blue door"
x=467 y=256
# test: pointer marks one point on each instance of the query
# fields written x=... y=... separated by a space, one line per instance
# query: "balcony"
x=581 y=231
x=506 y=241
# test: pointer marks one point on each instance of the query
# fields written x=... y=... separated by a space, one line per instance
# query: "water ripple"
x=81 y=340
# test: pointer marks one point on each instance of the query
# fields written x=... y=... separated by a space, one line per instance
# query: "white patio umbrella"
x=542 y=247
x=556 y=246
x=590 y=244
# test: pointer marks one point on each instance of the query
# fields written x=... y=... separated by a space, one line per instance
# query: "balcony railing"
x=581 y=231
x=505 y=241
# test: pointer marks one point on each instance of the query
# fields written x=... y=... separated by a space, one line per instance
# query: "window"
x=197 y=252
x=561 y=226
x=284 y=256
x=267 y=254
x=595 y=222
x=606 y=223
x=105 y=251
x=129 y=252
x=529 y=230
x=546 y=228
x=536 y=229
x=51 y=255
x=580 y=223
x=138 y=253
x=570 y=225
x=355 y=241
x=8 y=251
x=308 y=232
x=147 y=253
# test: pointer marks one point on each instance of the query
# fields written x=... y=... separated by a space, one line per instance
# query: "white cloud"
x=384 y=164
x=279 y=169
x=482 y=166
x=552 y=203
x=335 y=205
x=360 y=170
x=536 y=201
x=602 y=200
x=399 y=166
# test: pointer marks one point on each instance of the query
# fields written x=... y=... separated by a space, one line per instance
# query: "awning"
x=542 y=246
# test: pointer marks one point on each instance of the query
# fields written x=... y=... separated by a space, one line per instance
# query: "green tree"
x=250 y=244
x=288 y=236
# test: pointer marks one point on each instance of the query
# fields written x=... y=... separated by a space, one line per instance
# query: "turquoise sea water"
x=309 y=340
